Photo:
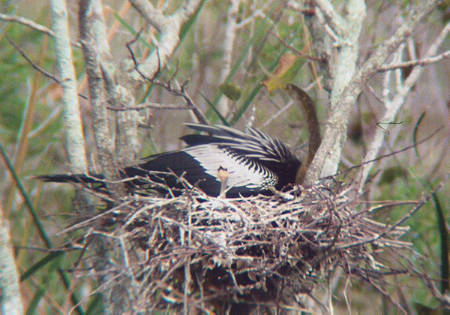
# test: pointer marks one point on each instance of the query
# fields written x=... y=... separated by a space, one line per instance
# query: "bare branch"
x=32 y=63
x=36 y=66
x=420 y=62
x=327 y=158
x=73 y=131
x=27 y=22
x=380 y=55
x=169 y=28
x=9 y=278
x=31 y=24
x=153 y=16
x=230 y=33
x=149 y=106
x=92 y=36
x=178 y=91
x=336 y=21
x=394 y=105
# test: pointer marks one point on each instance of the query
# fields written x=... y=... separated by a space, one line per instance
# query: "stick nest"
x=231 y=255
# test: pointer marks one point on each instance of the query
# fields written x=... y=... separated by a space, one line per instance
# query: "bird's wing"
x=253 y=144
x=242 y=172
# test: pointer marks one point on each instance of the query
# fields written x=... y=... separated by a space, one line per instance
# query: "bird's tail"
x=72 y=178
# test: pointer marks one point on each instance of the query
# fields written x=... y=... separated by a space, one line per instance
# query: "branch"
x=28 y=23
x=227 y=47
x=148 y=105
x=92 y=33
x=153 y=16
x=420 y=62
x=36 y=66
x=393 y=106
x=399 y=222
x=169 y=28
x=101 y=79
x=178 y=91
x=73 y=131
x=336 y=21
x=31 y=24
x=9 y=279
x=327 y=158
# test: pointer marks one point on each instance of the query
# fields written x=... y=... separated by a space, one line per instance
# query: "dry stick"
x=394 y=152
x=420 y=62
x=419 y=205
x=308 y=108
x=31 y=24
x=178 y=92
x=147 y=106
x=35 y=66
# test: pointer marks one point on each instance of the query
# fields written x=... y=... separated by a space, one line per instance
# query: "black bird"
x=222 y=161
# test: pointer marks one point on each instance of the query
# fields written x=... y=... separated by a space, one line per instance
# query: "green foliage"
x=423 y=233
x=230 y=90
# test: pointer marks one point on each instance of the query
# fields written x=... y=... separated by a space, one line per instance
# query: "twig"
x=178 y=91
x=394 y=104
x=419 y=205
x=420 y=62
x=36 y=67
x=336 y=21
x=147 y=106
x=394 y=152
x=31 y=24
x=295 y=50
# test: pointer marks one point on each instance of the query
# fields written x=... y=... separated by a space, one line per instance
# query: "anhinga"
x=221 y=161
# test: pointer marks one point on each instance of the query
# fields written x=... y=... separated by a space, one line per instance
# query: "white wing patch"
x=211 y=157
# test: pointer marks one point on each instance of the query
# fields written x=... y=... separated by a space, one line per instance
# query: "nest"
x=237 y=255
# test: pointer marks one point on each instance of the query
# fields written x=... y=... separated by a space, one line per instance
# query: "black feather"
x=254 y=160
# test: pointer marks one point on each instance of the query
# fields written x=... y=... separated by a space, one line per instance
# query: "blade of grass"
x=37 y=222
x=40 y=264
x=443 y=233
x=132 y=31
x=95 y=305
x=37 y=297
x=243 y=108
x=26 y=127
x=440 y=218
x=236 y=66
x=214 y=108
x=43 y=287
x=188 y=25
x=24 y=194
x=416 y=128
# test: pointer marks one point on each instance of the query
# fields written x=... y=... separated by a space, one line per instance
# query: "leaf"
x=285 y=72
x=230 y=90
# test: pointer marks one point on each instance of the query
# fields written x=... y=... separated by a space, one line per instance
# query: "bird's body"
x=222 y=161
